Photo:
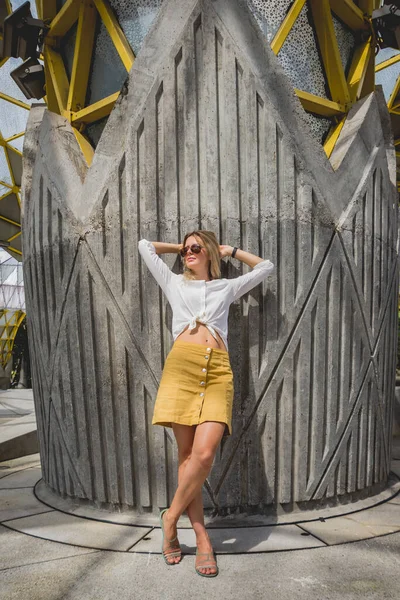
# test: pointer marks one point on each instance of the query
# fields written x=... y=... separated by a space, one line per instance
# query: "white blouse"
x=198 y=300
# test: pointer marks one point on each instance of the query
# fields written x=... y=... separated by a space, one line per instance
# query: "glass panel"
x=319 y=126
x=67 y=49
x=387 y=79
x=11 y=283
x=19 y=142
x=269 y=14
x=136 y=18
x=385 y=54
x=107 y=72
x=17 y=3
x=4 y=170
x=346 y=42
x=94 y=131
x=300 y=58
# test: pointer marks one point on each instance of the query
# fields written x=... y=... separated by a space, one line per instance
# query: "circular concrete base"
x=277 y=516
x=28 y=506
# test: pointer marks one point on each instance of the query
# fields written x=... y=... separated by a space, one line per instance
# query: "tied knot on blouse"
x=193 y=321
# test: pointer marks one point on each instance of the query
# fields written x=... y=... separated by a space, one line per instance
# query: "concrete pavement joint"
x=41 y=562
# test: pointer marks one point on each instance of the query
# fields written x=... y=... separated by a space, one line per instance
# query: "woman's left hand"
x=225 y=251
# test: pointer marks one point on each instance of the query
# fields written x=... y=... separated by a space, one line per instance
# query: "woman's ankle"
x=168 y=517
x=201 y=534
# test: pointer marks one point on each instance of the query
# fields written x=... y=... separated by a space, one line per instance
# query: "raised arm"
x=161 y=272
x=261 y=268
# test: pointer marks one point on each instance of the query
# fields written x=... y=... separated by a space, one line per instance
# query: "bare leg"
x=206 y=440
x=184 y=435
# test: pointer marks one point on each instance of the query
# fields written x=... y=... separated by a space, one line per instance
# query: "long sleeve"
x=157 y=267
x=244 y=283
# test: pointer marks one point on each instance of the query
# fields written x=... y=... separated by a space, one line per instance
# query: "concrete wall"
x=208 y=133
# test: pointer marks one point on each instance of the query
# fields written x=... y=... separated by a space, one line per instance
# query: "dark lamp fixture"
x=3 y=14
x=30 y=79
x=21 y=33
x=395 y=2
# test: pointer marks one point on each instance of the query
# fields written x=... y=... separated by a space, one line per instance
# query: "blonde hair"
x=210 y=242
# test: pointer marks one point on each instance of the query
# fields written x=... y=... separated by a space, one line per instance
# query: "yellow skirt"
x=196 y=386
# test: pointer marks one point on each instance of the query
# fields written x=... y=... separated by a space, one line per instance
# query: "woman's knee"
x=204 y=456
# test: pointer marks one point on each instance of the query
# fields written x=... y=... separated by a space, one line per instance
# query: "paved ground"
x=38 y=569
x=18 y=435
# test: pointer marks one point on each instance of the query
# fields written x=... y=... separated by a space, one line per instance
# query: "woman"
x=196 y=388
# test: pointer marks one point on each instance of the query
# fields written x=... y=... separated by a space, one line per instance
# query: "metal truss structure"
x=10 y=198
x=10 y=321
x=66 y=96
x=66 y=89
x=344 y=91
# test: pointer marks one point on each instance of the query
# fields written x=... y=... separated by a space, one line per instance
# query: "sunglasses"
x=195 y=248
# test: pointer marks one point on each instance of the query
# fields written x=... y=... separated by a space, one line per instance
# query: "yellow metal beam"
x=368 y=6
x=286 y=25
x=85 y=146
x=15 y=150
x=14 y=236
x=318 y=105
x=39 y=8
x=46 y=9
x=368 y=85
x=14 y=137
x=333 y=137
x=394 y=94
x=115 y=32
x=57 y=77
x=82 y=57
x=14 y=101
x=5 y=195
x=63 y=20
x=349 y=13
x=358 y=69
x=95 y=111
x=7 y=185
x=10 y=326
x=9 y=168
x=10 y=221
x=328 y=45
x=14 y=250
x=387 y=63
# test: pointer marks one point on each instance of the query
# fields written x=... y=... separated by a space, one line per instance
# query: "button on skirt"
x=196 y=386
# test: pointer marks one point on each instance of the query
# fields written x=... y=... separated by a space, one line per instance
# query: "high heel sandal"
x=208 y=563
x=171 y=551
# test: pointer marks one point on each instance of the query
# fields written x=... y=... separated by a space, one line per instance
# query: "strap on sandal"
x=209 y=564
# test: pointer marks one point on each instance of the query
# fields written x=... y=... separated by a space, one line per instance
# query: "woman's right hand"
x=225 y=250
